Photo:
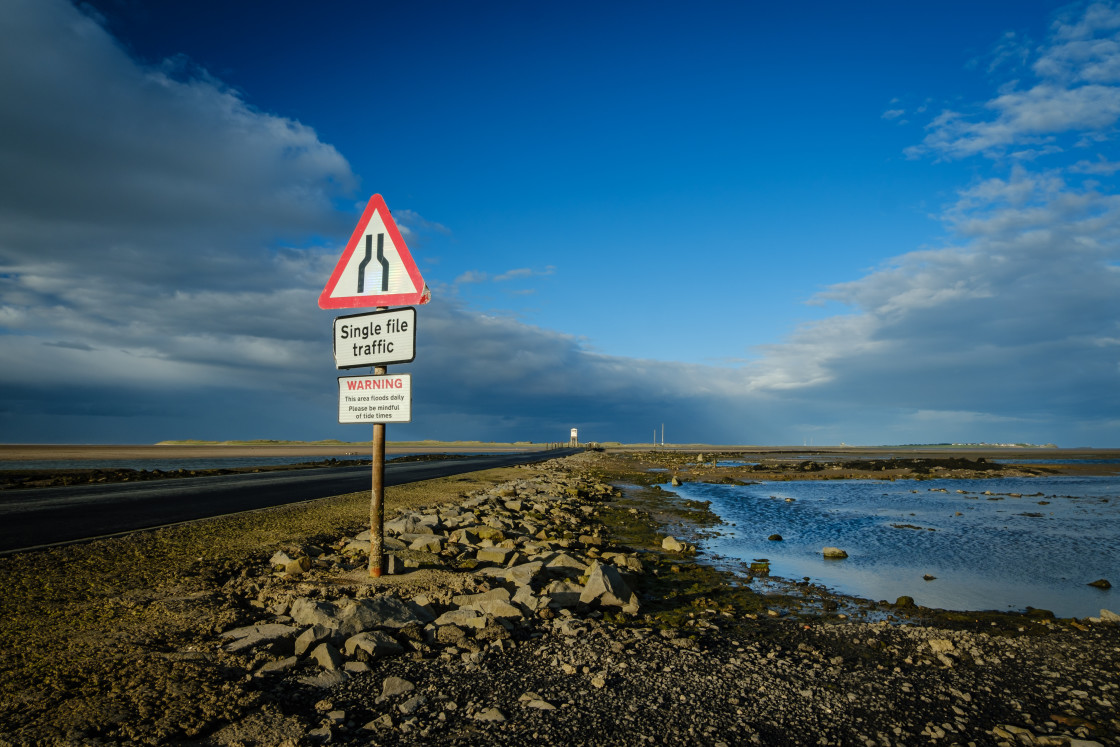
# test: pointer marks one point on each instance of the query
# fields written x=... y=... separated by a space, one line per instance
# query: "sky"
x=742 y=222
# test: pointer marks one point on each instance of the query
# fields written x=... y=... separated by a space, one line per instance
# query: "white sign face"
x=375 y=399
x=376 y=268
x=375 y=339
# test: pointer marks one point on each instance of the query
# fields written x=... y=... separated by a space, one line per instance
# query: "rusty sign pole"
x=377 y=493
x=377 y=496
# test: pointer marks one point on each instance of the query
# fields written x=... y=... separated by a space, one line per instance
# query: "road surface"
x=38 y=517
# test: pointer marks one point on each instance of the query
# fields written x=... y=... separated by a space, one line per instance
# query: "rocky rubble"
x=534 y=632
x=527 y=553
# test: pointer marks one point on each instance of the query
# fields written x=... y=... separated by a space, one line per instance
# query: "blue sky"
x=755 y=223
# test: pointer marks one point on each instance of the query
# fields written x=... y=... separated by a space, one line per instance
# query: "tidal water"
x=987 y=552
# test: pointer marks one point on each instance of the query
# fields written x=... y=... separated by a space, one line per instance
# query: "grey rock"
x=429 y=543
x=412 y=705
x=280 y=558
x=940 y=645
x=309 y=638
x=392 y=543
x=310 y=612
x=464 y=537
x=540 y=705
x=325 y=679
x=298 y=566
x=500 y=555
x=413 y=523
x=524 y=573
x=833 y=552
x=462 y=618
x=327 y=656
x=1109 y=616
x=466 y=600
x=490 y=714
x=372 y=645
x=606 y=587
x=527 y=599
x=563 y=594
x=392 y=686
x=321 y=734
x=394 y=566
x=564 y=561
x=276 y=667
x=356 y=547
x=421 y=606
x=497 y=608
x=357 y=615
x=258 y=635
x=672 y=544
x=450 y=635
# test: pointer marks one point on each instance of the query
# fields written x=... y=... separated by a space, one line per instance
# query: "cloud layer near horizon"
x=162 y=245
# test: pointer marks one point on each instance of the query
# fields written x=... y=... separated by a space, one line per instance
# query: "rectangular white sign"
x=377 y=338
x=375 y=399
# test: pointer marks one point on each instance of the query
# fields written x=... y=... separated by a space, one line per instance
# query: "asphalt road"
x=46 y=516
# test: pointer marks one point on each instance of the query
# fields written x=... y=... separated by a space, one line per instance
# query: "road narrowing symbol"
x=376 y=268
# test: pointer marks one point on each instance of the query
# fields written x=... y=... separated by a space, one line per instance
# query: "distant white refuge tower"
x=574 y=441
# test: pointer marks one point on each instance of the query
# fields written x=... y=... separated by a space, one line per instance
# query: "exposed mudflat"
x=121 y=640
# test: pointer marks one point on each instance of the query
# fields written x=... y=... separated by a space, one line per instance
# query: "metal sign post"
x=363 y=278
x=376 y=497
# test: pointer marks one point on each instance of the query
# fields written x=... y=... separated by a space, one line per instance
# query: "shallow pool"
x=996 y=551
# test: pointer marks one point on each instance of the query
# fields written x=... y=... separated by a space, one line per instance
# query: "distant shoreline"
x=181 y=450
x=212 y=449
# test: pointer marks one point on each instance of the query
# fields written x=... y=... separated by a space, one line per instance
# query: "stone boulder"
x=672 y=544
x=500 y=555
x=327 y=656
x=371 y=646
x=562 y=594
x=310 y=612
x=262 y=634
x=311 y=637
x=606 y=587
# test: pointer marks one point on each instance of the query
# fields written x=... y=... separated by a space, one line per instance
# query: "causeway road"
x=41 y=517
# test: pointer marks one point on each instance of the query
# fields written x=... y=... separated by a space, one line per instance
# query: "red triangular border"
x=421 y=296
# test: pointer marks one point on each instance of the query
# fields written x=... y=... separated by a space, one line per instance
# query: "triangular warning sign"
x=376 y=268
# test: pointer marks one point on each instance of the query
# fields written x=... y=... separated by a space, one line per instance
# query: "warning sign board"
x=376 y=268
x=375 y=399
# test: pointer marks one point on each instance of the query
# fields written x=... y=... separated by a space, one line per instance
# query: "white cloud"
x=477 y=276
x=1077 y=94
x=523 y=272
x=471 y=276
x=1100 y=166
x=1012 y=325
x=117 y=171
